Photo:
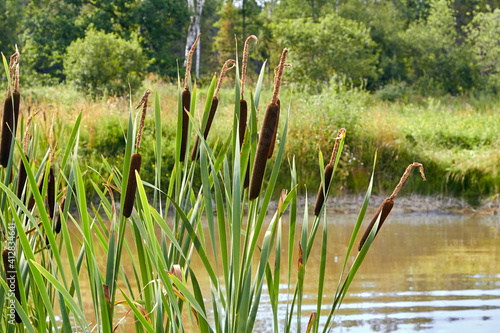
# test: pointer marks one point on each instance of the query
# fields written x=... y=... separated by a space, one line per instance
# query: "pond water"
x=439 y=273
x=424 y=272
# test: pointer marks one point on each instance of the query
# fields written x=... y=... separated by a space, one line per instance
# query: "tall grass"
x=51 y=267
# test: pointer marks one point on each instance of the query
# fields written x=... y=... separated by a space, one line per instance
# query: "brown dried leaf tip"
x=386 y=206
x=301 y=257
x=267 y=134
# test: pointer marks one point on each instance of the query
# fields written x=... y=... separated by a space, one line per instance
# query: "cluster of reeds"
x=156 y=288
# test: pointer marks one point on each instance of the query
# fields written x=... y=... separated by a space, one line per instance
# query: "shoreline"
x=436 y=204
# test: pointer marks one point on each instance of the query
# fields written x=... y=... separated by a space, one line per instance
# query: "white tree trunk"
x=194 y=29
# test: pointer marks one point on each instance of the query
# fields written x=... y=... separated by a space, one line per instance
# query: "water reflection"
x=424 y=272
x=438 y=273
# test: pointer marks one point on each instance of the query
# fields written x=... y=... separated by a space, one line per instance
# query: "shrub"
x=104 y=63
x=333 y=45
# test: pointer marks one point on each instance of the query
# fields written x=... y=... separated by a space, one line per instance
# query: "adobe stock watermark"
x=9 y=264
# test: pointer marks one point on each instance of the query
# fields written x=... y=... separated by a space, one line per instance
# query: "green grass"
x=458 y=137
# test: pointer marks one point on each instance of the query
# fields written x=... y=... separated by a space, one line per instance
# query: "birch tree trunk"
x=196 y=9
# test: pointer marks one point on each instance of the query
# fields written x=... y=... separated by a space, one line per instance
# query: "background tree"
x=484 y=38
x=49 y=27
x=104 y=63
x=333 y=45
x=162 y=28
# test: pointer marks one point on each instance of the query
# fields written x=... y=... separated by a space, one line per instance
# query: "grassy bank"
x=457 y=139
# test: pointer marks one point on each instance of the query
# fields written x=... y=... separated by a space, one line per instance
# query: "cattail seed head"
x=246 y=182
x=195 y=153
x=135 y=165
x=51 y=192
x=57 y=228
x=385 y=207
x=275 y=133
x=320 y=199
x=9 y=266
x=31 y=201
x=265 y=139
x=243 y=120
x=9 y=125
x=186 y=105
x=21 y=178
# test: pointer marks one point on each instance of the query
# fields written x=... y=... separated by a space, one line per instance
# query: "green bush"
x=104 y=63
x=333 y=45
x=483 y=37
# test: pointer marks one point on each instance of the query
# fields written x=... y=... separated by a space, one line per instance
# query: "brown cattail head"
x=246 y=182
x=53 y=145
x=31 y=201
x=320 y=199
x=144 y=103
x=135 y=165
x=51 y=192
x=188 y=63
x=186 y=105
x=21 y=178
x=265 y=139
x=9 y=260
x=9 y=125
x=225 y=68
x=57 y=228
x=195 y=153
x=275 y=133
x=243 y=120
x=385 y=207
x=245 y=61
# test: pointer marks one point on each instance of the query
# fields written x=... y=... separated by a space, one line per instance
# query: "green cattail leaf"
x=24 y=317
x=138 y=314
x=67 y=297
x=258 y=88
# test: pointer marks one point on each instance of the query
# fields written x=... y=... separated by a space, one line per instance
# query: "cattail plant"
x=244 y=106
x=320 y=199
x=135 y=161
x=186 y=102
x=10 y=110
x=243 y=103
x=266 y=134
x=9 y=266
x=213 y=108
x=51 y=181
x=386 y=206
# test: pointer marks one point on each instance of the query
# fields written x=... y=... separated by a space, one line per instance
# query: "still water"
x=424 y=272
x=439 y=273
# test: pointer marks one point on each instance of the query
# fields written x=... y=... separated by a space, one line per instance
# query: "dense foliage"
x=103 y=62
x=432 y=47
